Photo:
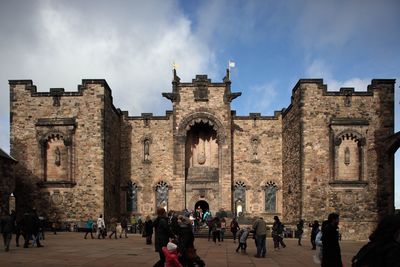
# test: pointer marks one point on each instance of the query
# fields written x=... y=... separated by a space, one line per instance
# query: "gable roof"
x=6 y=156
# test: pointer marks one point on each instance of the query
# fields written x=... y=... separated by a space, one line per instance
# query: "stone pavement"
x=70 y=249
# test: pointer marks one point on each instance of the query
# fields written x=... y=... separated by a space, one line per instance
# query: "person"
x=113 y=227
x=124 y=226
x=260 y=232
x=7 y=227
x=185 y=238
x=162 y=234
x=148 y=229
x=101 y=227
x=277 y=233
x=56 y=223
x=133 y=222
x=383 y=248
x=223 y=228
x=89 y=227
x=331 y=256
x=171 y=255
x=299 y=228
x=318 y=243
x=234 y=228
x=314 y=231
x=243 y=235
x=216 y=230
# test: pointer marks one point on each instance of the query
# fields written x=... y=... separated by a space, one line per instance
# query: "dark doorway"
x=203 y=206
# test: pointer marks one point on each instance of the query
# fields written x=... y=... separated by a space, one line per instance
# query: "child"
x=243 y=235
x=171 y=255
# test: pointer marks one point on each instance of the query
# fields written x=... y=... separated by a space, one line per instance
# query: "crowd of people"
x=174 y=236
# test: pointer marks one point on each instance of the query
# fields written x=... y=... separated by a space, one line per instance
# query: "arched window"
x=270 y=197
x=131 y=197
x=162 y=195
x=239 y=197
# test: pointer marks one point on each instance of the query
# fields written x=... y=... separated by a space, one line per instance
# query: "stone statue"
x=146 y=149
x=57 y=157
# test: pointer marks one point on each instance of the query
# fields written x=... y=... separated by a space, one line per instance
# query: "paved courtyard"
x=70 y=249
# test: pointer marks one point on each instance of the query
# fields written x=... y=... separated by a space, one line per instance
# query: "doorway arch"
x=203 y=206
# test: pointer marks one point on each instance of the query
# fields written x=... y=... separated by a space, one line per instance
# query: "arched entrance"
x=203 y=205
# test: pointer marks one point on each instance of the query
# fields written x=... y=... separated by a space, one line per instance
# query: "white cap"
x=171 y=246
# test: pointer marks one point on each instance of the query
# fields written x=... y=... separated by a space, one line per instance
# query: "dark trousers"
x=216 y=235
x=148 y=239
x=234 y=236
x=242 y=247
x=313 y=236
x=89 y=231
x=161 y=262
x=278 y=240
x=261 y=245
x=7 y=240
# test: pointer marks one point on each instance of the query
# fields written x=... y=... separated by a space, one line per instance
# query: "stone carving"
x=146 y=145
x=57 y=156
x=56 y=199
x=347 y=156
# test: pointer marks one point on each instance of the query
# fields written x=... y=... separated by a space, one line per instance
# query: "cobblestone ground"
x=70 y=249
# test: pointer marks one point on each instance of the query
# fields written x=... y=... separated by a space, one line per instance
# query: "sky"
x=133 y=44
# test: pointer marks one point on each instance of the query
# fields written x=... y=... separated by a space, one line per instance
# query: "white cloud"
x=260 y=98
x=319 y=69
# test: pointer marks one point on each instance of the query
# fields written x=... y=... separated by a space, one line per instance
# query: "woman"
x=234 y=228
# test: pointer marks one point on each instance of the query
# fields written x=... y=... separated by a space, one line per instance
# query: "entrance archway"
x=203 y=206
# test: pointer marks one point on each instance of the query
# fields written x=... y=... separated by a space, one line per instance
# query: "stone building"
x=7 y=182
x=80 y=156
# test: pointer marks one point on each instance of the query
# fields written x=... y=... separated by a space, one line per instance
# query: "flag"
x=231 y=64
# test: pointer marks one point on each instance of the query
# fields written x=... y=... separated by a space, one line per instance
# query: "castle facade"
x=79 y=155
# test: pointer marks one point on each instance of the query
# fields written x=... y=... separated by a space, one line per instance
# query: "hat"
x=171 y=246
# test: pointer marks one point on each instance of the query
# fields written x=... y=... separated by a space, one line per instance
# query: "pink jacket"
x=171 y=258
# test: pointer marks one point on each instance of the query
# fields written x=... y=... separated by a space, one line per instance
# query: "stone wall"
x=327 y=115
x=78 y=117
x=257 y=159
x=111 y=127
x=146 y=172
x=7 y=181
x=292 y=159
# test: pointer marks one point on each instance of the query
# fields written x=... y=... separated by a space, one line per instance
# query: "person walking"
x=243 y=234
x=216 y=230
x=6 y=227
x=162 y=235
x=331 y=256
x=277 y=233
x=148 y=229
x=89 y=228
x=101 y=227
x=314 y=231
x=299 y=231
x=113 y=227
x=124 y=225
x=223 y=228
x=260 y=232
x=234 y=228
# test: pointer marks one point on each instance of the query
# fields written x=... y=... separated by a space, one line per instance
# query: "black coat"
x=331 y=256
x=6 y=224
x=162 y=233
x=148 y=227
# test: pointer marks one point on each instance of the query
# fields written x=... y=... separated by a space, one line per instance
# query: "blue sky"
x=132 y=45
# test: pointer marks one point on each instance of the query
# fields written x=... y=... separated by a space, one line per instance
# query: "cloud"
x=131 y=46
x=319 y=69
x=259 y=98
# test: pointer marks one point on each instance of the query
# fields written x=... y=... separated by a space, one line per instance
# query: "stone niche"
x=201 y=153
x=55 y=141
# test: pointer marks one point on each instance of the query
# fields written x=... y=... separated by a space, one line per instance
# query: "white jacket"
x=100 y=223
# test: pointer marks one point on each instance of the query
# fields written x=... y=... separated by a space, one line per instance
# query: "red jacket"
x=171 y=258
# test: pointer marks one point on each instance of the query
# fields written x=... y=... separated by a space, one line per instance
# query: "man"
x=101 y=227
x=331 y=256
x=6 y=226
x=260 y=232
